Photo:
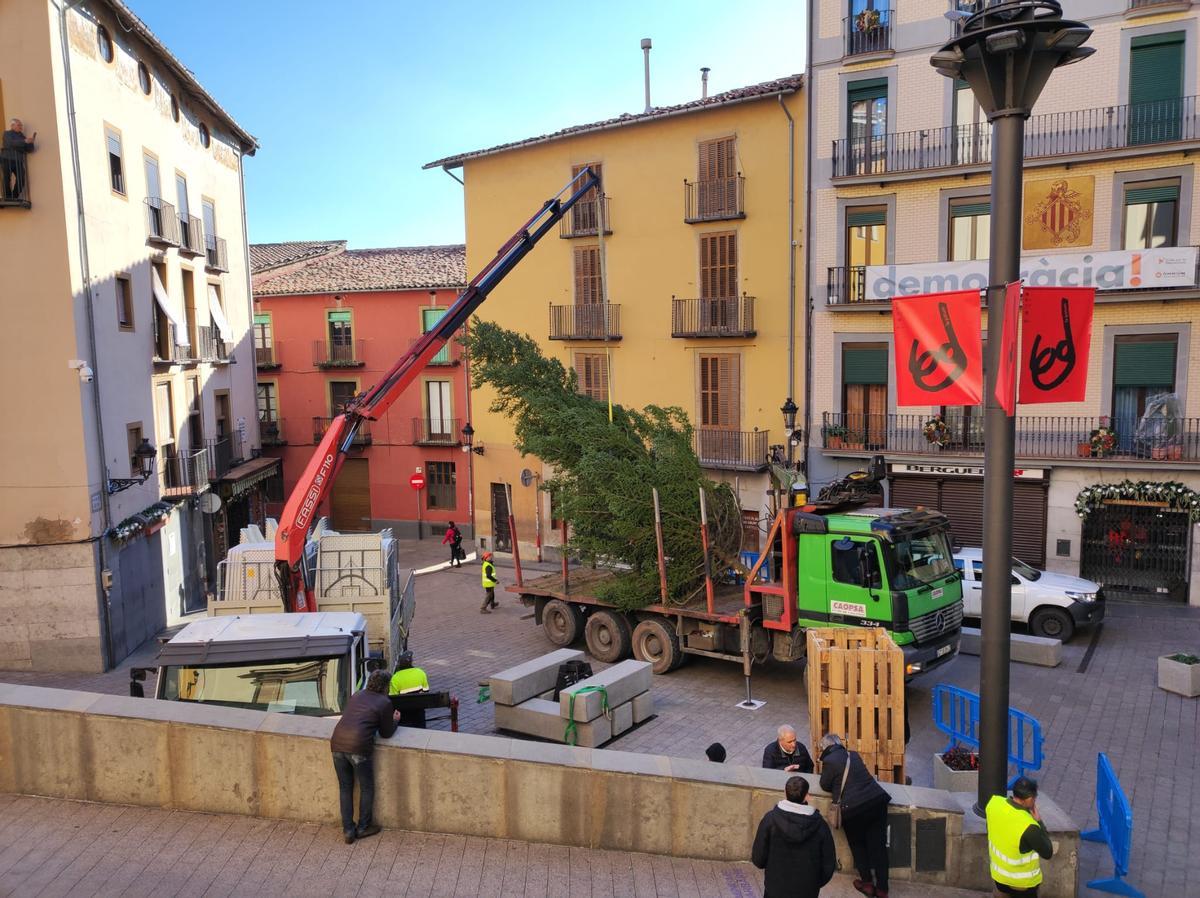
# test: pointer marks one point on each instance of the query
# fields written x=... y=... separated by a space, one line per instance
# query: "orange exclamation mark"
x=1135 y=278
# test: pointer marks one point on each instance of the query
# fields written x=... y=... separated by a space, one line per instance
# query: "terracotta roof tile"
x=266 y=256
x=390 y=268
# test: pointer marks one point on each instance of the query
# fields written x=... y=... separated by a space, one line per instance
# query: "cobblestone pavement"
x=1107 y=701
x=50 y=847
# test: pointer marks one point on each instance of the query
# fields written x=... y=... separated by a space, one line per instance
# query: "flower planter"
x=1084 y=449
x=1158 y=453
x=1178 y=677
x=945 y=777
x=832 y=442
x=1175 y=453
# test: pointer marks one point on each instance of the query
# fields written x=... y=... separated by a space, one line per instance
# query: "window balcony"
x=730 y=317
x=1042 y=437
x=590 y=321
x=1139 y=8
x=267 y=357
x=216 y=253
x=224 y=453
x=361 y=438
x=436 y=431
x=714 y=199
x=339 y=354
x=1081 y=132
x=731 y=450
x=162 y=224
x=183 y=473
x=191 y=235
x=272 y=432
x=166 y=351
x=14 y=180
x=210 y=347
x=868 y=32
x=585 y=219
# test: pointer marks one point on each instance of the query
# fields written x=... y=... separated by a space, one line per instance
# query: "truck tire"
x=1052 y=623
x=656 y=642
x=562 y=622
x=608 y=636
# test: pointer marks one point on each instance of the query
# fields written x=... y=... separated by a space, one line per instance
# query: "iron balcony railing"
x=183 y=473
x=728 y=317
x=731 y=450
x=589 y=321
x=166 y=350
x=224 y=453
x=210 y=346
x=714 y=199
x=361 y=438
x=162 y=224
x=1147 y=4
x=586 y=218
x=340 y=353
x=434 y=431
x=271 y=431
x=1080 y=131
x=1037 y=437
x=870 y=31
x=267 y=356
x=191 y=235
x=14 y=178
x=217 y=256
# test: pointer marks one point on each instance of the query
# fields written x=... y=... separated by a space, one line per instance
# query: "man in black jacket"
x=794 y=846
x=864 y=813
x=368 y=712
x=786 y=753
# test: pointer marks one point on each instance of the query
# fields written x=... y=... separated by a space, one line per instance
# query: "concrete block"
x=631 y=763
x=461 y=795
x=540 y=718
x=130 y=762
x=528 y=680
x=633 y=813
x=47 y=753
x=643 y=707
x=468 y=744
x=1026 y=649
x=214 y=769
x=622 y=681
x=295 y=778
x=544 y=801
x=622 y=719
x=46 y=699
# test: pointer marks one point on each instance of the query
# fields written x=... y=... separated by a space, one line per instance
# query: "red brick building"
x=328 y=323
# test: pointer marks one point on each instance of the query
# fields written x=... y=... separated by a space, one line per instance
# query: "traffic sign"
x=417 y=481
x=526 y=477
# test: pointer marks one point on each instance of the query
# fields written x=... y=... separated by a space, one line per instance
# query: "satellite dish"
x=526 y=477
x=210 y=503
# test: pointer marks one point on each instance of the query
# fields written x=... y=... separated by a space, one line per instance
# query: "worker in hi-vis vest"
x=1016 y=839
x=488 y=577
x=407 y=679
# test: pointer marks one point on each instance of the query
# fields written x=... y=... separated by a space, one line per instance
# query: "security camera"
x=86 y=374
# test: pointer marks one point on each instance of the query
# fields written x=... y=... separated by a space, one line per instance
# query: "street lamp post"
x=1006 y=53
x=789 y=410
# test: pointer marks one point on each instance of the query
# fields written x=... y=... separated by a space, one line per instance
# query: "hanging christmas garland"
x=1174 y=494
x=134 y=524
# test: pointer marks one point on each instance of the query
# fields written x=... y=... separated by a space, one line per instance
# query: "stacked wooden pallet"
x=856 y=690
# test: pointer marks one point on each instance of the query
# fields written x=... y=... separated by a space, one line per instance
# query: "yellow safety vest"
x=411 y=679
x=1005 y=826
x=488 y=574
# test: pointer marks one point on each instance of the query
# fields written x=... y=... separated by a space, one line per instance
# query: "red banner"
x=939 y=352
x=1055 y=336
x=1006 y=371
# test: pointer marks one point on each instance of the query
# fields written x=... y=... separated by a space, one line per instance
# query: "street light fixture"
x=468 y=433
x=1006 y=53
x=144 y=456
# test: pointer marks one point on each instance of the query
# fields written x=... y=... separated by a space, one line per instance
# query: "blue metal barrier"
x=749 y=559
x=956 y=713
x=1115 y=829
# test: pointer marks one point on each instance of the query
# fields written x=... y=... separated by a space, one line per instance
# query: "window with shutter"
x=970 y=230
x=430 y=317
x=1151 y=214
x=585 y=215
x=717 y=178
x=720 y=391
x=1156 y=87
x=1143 y=366
x=340 y=393
x=864 y=394
x=718 y=265
x=268 y=402
x=867 y=123
x=587 y=275
x=591 y=370
x=866 y=244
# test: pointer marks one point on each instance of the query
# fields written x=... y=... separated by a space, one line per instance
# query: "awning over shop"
x=246 y=476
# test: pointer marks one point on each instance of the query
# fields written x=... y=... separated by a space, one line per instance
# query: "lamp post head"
x=145 y=454
x=1007 y=50
x=468 y=433
x=789 y=410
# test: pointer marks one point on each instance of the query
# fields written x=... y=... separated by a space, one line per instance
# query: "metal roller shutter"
x=962 y=503
x=1029 y=522
x=909 y=492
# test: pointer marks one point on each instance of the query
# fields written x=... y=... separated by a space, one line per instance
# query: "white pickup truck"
x=1053 y=605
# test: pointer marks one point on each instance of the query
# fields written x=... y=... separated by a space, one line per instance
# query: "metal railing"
x=224 y=454
x=731 y=450
x=162 y=224
x=191 y=235
x=714 y=199
x=165 y=349
x=217 y=256
x=589 y=321
x=183 y=473
x=267 y=356
x=1146 y=4
x=1041 y=436
x=586 y=218
x=14 y=179
x=271 y=431
x=727 y=317
x=435 y=431
x=1079 y=131
x=210 y=346
x=868 y=32
x=361 y=438
x=338 y=353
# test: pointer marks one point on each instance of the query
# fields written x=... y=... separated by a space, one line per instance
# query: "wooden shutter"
x=865 y=364
x=585 y=215
x=592 y=371
x=1145 y=363
x=718 y=265
x=720 y=391
x=587 y=275
x=718 y=159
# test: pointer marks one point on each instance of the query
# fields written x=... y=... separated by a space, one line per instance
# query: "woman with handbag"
x=859 y=805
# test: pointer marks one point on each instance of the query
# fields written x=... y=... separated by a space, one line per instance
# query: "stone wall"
x=165 y=754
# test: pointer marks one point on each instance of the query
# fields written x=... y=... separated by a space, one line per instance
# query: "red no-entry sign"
x=417 y=481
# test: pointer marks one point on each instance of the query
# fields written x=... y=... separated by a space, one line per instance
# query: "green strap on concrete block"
x=571 y=735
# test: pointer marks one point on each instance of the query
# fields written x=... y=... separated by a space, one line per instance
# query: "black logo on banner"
x=949 y=355
x=1042 y=360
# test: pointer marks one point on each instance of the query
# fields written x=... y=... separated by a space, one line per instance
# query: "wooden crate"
x=856 y=690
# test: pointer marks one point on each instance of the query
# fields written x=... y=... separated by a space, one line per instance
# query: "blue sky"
x=349 y=100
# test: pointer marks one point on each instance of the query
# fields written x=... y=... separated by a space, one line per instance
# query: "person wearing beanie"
x=488 y=577
x=1017 y=838
x=716 y=753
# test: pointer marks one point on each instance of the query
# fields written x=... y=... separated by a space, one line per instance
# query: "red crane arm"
x=300 y=510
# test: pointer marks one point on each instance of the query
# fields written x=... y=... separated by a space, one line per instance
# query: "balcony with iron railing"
x=1138 y=8
x=362 y=436
x=271 y=431
x=586 y=218
x=1047 y=437
x=183 y=473
x=434 y=431
x=731 y=450
x=869 y=31
x=1079 y=132
x=714 y=199
x=209 y=345
x=216 y=253
x=14 y=179
x=707 y=317
x=267 y=357
x=191 y=235
x=162 y=224
x=224 y=454
x=587 y=321
x=166 y=351
x=339 y=353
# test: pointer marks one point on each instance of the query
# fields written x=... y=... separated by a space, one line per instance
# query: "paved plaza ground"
x=1102 y=698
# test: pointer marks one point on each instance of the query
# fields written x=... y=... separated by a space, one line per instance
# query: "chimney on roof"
x=704 y=70
x=646 y=54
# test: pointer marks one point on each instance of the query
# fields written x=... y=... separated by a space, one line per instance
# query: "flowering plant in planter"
x=959 y=758
x=1103 y=440
x=936 y=431
x=134 y=524
x=867 y=20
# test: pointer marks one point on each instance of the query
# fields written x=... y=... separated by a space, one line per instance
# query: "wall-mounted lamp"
x=143 y=457
x=468 y=433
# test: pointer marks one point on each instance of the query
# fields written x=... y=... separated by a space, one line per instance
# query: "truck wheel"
x=562 y=622
x=656 y=642
x=1052 y=623
x=608 y=636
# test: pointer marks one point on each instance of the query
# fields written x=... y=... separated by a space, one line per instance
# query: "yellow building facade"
x=702 y=214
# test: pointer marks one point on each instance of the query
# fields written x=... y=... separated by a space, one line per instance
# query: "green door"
x=1156 y=88
x=430 y=317
x=857 y=595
